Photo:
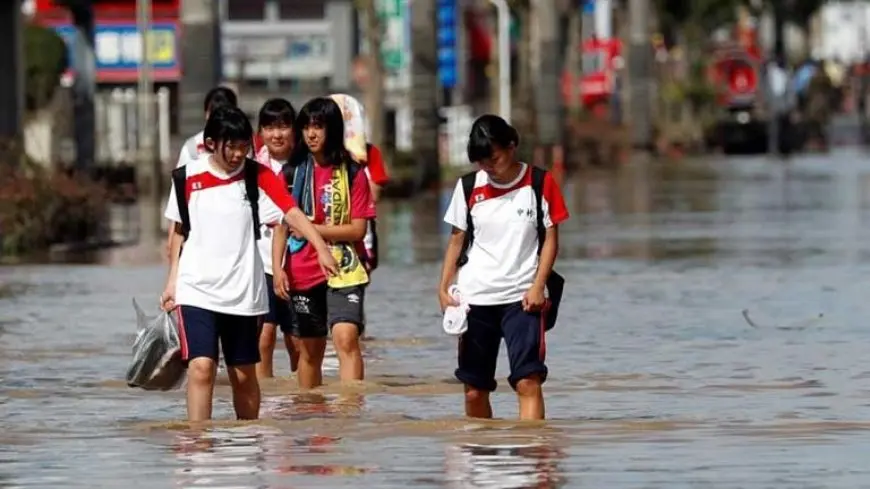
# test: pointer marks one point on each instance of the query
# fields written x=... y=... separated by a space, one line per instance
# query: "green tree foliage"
x=46 y=60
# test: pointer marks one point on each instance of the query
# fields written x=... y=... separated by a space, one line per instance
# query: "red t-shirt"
x=304 y=269
x=375 y=166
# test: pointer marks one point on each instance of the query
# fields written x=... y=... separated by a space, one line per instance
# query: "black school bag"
x=555 y=282
x=252 y=194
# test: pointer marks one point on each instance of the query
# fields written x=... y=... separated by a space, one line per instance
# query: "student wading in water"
x=276 y=131
x=502 y=277
x=331 y=189
x=218 y=282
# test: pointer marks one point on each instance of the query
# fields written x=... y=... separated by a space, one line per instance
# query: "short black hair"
x=326 y=112
x=276 y=111
x=487 y=131
x=228 y=124
x=219 y=97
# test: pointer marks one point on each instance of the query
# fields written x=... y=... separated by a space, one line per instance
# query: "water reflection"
x=503 y=466
x=221 y=458
x=310 y=405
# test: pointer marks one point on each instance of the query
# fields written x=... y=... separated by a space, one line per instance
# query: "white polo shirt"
x=220 y=268
x=264 y=245
x=503 y=258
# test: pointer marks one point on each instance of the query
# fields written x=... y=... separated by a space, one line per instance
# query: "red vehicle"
x=742 y=125
x=597 y=83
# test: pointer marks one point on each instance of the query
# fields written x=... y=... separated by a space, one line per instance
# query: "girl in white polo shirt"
x=218 y=283
x=276 y=129
x=504 y=269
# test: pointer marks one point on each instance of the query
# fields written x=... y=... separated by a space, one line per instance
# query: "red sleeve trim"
x=275 y=189
x=377 y=169
x=555 y=201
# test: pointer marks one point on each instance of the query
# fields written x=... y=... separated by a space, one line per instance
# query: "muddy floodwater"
x=714 y=335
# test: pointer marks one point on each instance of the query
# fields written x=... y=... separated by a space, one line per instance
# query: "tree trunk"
x=374 y=90
x=424 y=92
x=12 y=87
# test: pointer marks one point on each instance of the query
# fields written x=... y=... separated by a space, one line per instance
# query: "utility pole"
x=85 y=85
x=640 y=74
x=424 y=92
x=11 y=85
x=503 y=12
x=374 y=92
x=547 y=89
x=147 y=169
x=201 y=58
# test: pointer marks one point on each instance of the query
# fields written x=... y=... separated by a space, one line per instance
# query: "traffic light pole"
x=504 y=58
x=147 y=170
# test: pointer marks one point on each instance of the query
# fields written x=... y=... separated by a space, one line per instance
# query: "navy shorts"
x=202 y=330
x=279 y=309
x=523 y=334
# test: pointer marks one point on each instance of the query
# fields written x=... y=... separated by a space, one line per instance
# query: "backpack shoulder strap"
x=467 y=189
x=352 y=169
x=288 y=171
x=252 y=192
x=179 y=184
x=538 y=176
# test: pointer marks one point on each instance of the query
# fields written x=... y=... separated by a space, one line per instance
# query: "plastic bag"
x=157 y=363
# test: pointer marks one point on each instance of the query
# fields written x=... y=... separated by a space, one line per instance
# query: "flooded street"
x=713 y=335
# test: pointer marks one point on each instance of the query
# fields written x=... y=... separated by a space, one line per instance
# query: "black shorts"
x=318 y=309
x=279 y=309
x=203 y=331
x=523 y=334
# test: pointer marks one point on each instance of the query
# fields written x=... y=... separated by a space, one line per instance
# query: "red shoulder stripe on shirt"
x=206 y=180
x=487 y=191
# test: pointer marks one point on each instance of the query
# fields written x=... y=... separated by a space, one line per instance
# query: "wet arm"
x=548 y=256
x=355 y=231
x=451 y=255
x=171 y=235
x=279 y=245
x=175 y=242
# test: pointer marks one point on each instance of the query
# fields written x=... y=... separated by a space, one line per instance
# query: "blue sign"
x=117 y=47
x=588 y=6
x=446 y=42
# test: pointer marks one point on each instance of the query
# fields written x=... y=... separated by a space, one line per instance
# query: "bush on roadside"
x=40 y=208
x=45 y=55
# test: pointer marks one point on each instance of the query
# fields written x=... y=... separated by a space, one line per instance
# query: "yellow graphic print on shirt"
x=336 y=208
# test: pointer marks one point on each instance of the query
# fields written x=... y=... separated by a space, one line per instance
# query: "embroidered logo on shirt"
x=527 y=212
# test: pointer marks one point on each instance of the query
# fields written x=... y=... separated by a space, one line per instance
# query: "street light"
x=504 y=58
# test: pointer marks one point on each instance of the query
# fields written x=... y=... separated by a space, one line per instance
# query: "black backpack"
x=289 y=173
x=555 y=282
x=252 y=194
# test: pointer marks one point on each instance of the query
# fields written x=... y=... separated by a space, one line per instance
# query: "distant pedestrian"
x=275 y=122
